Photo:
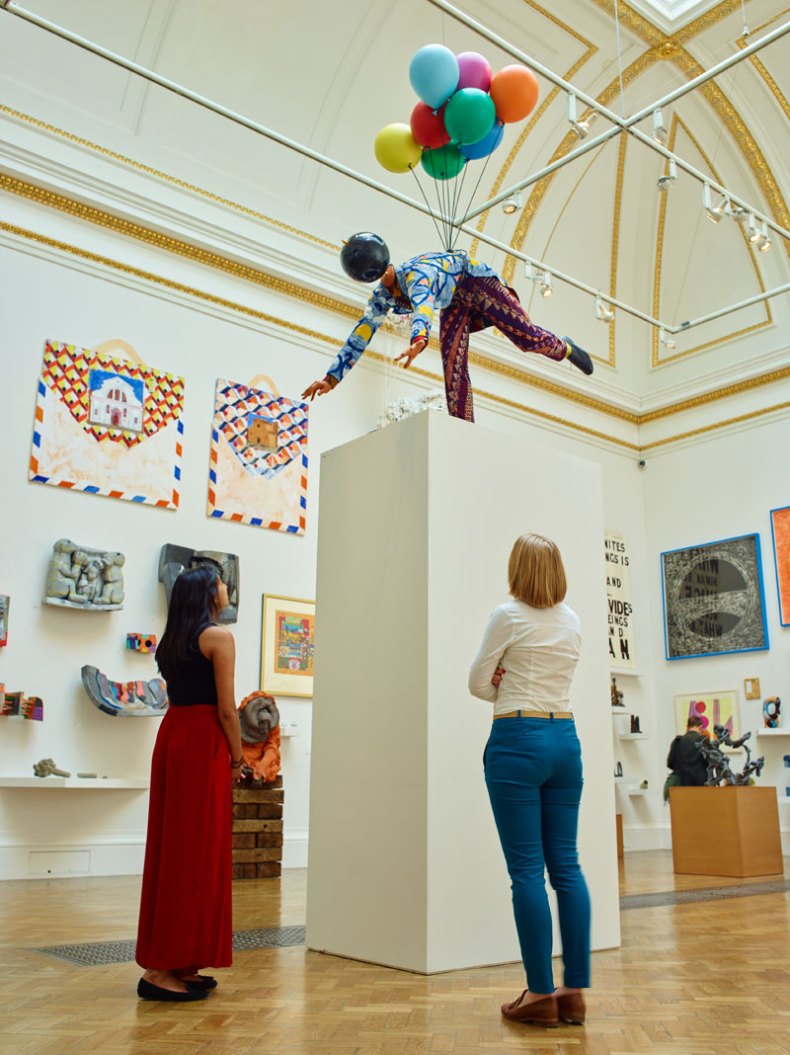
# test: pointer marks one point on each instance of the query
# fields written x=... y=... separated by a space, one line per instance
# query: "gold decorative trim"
x=656 y=359
x=735 y=389
x=615 y=251
x=717 y=425
x=17 y=115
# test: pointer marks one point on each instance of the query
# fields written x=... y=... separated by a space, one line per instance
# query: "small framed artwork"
x=5 y=604
x=287 y=646
x=712 y=708
x=780 y=529
x=713 y=599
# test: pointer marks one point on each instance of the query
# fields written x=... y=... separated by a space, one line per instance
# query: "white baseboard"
x=295 y=848
x=78 y=861
x=636 y=839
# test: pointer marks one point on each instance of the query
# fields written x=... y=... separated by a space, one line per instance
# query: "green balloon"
x=469 y=115
x=443 y=162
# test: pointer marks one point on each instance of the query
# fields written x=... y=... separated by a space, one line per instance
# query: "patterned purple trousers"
x=476 y=304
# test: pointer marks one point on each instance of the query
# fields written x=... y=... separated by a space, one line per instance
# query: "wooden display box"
x=618 y=820
x=258 y=831
x=725 y=831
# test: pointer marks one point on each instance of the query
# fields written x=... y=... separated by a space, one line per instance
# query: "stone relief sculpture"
x=125 y=699
x=79 y=577
x=174 y=559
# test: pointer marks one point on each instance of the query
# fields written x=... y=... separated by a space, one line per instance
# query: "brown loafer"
x=571 y=1008
x=541 y=1012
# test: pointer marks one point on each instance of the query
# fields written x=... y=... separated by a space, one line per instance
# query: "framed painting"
x=258 y=466
x=713 y=599
x=780 y=530
x=109 y=426
x=712 y=708
x=287 y=646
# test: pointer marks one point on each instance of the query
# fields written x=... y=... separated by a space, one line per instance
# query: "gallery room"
x=395 y=579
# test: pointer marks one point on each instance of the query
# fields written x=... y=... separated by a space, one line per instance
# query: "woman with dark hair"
x=185 y=907
x=533 y=772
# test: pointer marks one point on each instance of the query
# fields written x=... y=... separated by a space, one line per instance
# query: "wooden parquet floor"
x=708 y=978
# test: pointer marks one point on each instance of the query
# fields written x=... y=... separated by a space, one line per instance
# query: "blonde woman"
x=533 y=772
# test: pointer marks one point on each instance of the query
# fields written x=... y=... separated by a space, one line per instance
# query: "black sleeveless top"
x=194 y=683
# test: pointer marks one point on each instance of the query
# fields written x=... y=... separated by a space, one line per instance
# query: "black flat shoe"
x=579 y=357
x=201 y=981
x=149 y=991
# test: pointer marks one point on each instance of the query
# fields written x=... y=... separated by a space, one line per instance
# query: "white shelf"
x=773 y=732
x=625 y=673
x=632 y=736
x=635 y=791
x=87 y=784
x=621 y=710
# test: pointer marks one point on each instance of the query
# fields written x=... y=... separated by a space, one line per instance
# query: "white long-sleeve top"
x=539 y=649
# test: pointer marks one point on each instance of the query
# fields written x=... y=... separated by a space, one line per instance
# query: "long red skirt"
x=185 y=907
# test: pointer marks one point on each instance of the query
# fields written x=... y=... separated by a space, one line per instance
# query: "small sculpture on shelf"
x=618 y=772
x=141 y=642
x=617 y=696
x=718 y=764
x=127 y=699
x=772 y=712
x=79 y=577
x=17 y=705
x=47 y=768
x=260 y=738
x=635 y=727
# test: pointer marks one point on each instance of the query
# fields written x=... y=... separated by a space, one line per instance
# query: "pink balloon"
x=474 y=71
x=427 y=126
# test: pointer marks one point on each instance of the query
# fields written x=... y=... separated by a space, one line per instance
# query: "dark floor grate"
x=98 y=953
x=719 y=893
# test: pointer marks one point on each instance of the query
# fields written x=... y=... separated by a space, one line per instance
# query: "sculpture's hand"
x=411 y=352
x=318 y=388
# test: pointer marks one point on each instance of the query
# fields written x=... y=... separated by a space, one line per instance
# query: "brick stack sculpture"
x=258 y=830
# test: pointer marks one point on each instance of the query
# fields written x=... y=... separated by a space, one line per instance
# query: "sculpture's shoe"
x=571 y=1008
x=537 y=1013
x=149 y=991
x=579 y=357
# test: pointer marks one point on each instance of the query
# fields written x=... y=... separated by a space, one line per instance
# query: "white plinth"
x=416 y=526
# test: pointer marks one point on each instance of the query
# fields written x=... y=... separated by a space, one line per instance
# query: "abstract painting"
x=287 y=646
x=780 y=529
x=108 y=426
x=713 y=599
x=712 y=708
x=258 y=470
x=5 y=604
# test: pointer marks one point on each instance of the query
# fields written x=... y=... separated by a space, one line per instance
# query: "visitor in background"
x=684 y=758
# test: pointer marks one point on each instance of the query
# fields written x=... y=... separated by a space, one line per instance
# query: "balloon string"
x=474 y=191
x=459 y=184
x=428 y=204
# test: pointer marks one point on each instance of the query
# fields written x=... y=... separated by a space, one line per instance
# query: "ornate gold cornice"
x=615 y=251
x=751 y=416
x=121 y=226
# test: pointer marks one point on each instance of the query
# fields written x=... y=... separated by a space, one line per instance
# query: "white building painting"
x=115 y=403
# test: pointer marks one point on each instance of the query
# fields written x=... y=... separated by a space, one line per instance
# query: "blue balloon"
x=485 y=146
x=434 y=74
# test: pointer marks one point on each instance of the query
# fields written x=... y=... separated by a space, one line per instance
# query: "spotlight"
x=665 y=182
x=665 y=339
x=511 y=204
x=754 y=230
x=581 y=128
x=546 y=288
x=602 y=311
x=659 y=128
x=738 y=213
x=713 y=212
x=763 y=242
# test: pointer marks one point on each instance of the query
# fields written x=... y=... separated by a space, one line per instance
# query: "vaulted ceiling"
x=328 y=76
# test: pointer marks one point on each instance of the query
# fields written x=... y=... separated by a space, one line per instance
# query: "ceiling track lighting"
x=581 y=128
x=546 y=288
x=665 y=182
x=764 y=241
x=660 y=134
x=511 y=204
x=666 y=339
x=714 y=212
x=603 y=311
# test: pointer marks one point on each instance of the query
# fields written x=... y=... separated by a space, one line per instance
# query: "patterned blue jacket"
x=428 y=281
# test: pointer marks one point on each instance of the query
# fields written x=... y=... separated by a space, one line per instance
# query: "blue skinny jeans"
x=533 y=771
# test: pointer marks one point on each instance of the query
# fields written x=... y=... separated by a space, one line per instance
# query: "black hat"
x=365 y=257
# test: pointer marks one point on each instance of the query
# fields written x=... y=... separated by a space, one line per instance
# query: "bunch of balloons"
x=462 y=112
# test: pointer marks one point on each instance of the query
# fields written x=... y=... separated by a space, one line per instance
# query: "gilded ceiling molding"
x=707 y=21
x=717 y=425
x=287 y=324
x=771 y=84
x=735 y=389
x=656 y=358
x=631 y=19
x=615 y=250
x=17 y=115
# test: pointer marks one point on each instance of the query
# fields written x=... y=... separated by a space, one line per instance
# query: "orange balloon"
x=514 y=90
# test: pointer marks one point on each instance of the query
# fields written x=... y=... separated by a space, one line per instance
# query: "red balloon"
x=427 y=126
x=514 y=90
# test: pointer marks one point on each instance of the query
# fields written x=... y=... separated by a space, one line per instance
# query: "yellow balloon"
x=396 y=148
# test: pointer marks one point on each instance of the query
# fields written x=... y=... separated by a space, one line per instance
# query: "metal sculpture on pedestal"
x=79 y=577
x=718 y=764
x=174 y=559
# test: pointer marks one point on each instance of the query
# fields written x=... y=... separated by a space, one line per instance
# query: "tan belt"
x=535 y=714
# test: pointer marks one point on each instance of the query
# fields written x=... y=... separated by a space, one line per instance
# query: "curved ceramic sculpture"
x=126 y=699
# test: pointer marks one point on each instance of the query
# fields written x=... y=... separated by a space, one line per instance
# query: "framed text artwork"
x=108 y=426
x=712 y=708
x=620 y=608
x=258 y=470
x=287 y=646
x=780 y=530
x=713 y=599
